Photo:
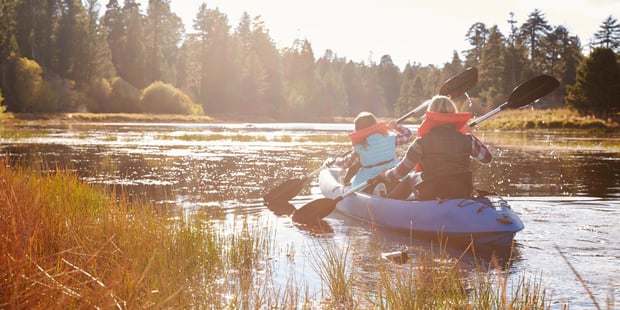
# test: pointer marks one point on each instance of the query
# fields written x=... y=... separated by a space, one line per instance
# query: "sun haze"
x=421 y=31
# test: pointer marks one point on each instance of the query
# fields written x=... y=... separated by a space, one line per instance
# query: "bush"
x=124 y=98
x=27 y=84
x=163 y=98
x=98 y=92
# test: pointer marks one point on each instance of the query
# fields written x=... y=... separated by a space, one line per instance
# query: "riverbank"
x=506 y=120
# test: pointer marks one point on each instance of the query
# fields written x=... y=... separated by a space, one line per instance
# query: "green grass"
x=545 y=119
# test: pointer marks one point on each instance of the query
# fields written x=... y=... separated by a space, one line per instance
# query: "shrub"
x=124 y=97
x=163 y=98
x=97 y=95
x=27 y=84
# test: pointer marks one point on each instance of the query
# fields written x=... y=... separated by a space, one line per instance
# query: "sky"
x=410 y=31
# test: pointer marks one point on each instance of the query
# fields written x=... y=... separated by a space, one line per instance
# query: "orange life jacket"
x=359 y=136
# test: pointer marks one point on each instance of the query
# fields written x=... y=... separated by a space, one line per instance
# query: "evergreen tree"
x=213 y=36
x=163 y=30
x=608 y=35
x=532 y=32
x=492 y=75
x=477 y=38
x=98 y=55
x=7 y=39
x=597 y=87
x=72 y=42
x=389 y=80
x=36 y=27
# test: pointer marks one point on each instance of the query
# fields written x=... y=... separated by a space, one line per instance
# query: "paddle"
x=452 y=87
x=522 y=95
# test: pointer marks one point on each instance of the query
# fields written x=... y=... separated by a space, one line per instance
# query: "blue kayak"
x=484 y=220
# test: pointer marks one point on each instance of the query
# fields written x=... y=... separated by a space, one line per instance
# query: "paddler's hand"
x=379 y=178
x=329 y=162
x=391 y=125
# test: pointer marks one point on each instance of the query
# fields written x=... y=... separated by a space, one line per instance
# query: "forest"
x=86 y=56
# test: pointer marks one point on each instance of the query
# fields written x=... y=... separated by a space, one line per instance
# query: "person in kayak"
x=440 y=155
x=374 y=147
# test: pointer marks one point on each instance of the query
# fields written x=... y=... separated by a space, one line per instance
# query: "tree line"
x=74 y=55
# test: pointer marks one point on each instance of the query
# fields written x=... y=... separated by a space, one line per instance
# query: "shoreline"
x=509 y=120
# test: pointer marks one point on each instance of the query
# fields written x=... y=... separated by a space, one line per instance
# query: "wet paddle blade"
x=285 y=191
x=459 y=84
x=314 y=211
x=281 y=207
x=532 y=90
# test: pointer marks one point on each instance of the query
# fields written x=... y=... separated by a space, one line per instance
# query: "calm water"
x=565 y=187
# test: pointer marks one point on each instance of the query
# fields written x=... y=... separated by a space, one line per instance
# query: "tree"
x=299 y=77
x=516 y=55
x=477 y=38
x=388 y=75
x=7 y=38
x=532 y=32
x=37 y=22
x=163 y=31
x=493 y=69
x=597 y=87
x=98 y=55
x=214 y=61
x=125 y=34
x=608 y=35
x=562 y=54
x=72 y=42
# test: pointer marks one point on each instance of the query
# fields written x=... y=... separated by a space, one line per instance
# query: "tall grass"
x=68 y=244
x=428 y=281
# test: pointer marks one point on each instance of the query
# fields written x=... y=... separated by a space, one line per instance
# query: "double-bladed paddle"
x=277 y=198
x=522 y=95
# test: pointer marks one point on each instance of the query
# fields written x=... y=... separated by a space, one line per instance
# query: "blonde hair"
x=442 y=104
x=364 y=120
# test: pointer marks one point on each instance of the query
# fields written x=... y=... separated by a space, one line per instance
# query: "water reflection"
x=565 y=187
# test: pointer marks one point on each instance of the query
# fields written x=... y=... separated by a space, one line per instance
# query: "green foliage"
x=2 y=107
x=123 y=98
x=97 y=95
x=597 y=87
x=27 y=84
x=163 y=98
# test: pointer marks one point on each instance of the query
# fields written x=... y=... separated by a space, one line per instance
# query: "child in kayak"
x=441 y=156
x=374 y=147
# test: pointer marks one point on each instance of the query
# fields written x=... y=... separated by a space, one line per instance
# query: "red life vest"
x=434 y=119
x=359 y=136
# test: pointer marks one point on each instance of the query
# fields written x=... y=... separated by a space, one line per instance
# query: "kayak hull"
x=486 y=220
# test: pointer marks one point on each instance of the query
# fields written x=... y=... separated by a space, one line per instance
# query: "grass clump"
x=66 y=244
x=427 y=281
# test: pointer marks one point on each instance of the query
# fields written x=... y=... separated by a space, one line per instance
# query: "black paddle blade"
x=460 y=83
x=532 y=90
x=281 y=207
x=285 y=191
x=314 y=211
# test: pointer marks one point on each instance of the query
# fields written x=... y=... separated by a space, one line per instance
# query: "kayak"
x=489 y=221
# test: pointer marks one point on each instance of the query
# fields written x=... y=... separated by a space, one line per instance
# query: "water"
x=564 y=186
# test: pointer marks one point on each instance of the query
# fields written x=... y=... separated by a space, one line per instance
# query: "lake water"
x=564 y=186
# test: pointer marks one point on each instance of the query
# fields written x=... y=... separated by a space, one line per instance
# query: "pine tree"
x=609 y=34
x=597 y=87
